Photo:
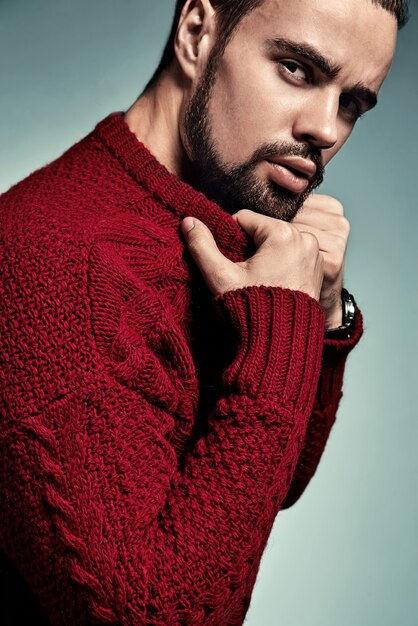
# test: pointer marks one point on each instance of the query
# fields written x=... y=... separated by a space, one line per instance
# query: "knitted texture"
x=150 y=433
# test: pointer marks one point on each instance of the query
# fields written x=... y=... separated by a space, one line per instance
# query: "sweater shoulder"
x=88 y=259
x=67 y=197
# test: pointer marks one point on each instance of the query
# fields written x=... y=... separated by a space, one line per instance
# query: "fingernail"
x=188 y=224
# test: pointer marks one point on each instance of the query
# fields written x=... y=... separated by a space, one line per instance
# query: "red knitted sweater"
x=150 y=433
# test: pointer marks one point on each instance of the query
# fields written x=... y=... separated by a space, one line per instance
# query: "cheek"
x=246 y=111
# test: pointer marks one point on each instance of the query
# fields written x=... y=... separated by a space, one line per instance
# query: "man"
x=176 y=329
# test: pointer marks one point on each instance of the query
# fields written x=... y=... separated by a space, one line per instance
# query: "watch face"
x=349 y=308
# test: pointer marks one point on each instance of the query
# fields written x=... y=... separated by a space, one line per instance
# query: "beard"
x=238 y=187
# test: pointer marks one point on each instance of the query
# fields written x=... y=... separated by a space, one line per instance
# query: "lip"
x=287 y=178
x=305 y=167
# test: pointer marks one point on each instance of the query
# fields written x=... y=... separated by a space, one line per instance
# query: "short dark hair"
x=230 y=12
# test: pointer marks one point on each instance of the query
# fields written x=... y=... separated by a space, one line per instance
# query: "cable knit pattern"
x=150 y=433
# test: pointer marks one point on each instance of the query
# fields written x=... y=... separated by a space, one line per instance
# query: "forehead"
x=357 y=35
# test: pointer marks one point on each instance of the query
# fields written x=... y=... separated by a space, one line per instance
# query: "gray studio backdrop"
x=347 y=553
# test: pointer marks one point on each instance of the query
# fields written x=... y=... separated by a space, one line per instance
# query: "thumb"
x=213 y=265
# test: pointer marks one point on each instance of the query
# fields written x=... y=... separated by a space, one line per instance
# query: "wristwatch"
x=349 y=311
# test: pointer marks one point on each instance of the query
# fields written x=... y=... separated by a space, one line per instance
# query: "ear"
x=194 y=37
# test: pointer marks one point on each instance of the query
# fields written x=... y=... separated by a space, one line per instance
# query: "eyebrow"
x=330 y=70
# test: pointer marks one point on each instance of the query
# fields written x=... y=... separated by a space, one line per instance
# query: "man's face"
x=270 y=112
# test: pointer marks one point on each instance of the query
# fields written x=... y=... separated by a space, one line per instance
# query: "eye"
x=351 y=106
x=294 y=70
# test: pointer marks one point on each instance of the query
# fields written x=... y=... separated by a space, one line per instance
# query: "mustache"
x=292 y=150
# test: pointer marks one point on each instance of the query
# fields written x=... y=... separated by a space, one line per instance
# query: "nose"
x=316 y=121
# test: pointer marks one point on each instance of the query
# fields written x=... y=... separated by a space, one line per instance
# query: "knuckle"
x=334 y=267
x=284 y=232
x=337 y=206
x=310 y=240
x=345 y=225
x=340 y=245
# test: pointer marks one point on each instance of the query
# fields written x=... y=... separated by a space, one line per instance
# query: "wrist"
x=335 y=318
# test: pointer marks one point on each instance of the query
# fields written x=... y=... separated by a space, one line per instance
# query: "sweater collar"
x=175 y=194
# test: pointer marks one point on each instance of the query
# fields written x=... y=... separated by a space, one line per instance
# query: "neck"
x=155 y=120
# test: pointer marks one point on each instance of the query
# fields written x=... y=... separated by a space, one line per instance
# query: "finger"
x=328 y=241
x=324 y=202
x=321 y=220
x=202 y=246
x=319 y=234
x=258 y=226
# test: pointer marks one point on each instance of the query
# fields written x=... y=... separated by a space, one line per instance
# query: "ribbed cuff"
x=334 y=357
x=279 y=334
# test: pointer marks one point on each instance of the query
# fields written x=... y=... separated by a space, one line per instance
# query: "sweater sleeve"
x=324 y=411
x=98 y=515
x=235 y=479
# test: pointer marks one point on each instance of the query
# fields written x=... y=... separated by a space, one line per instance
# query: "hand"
x=323 y=216
x=284 y=257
